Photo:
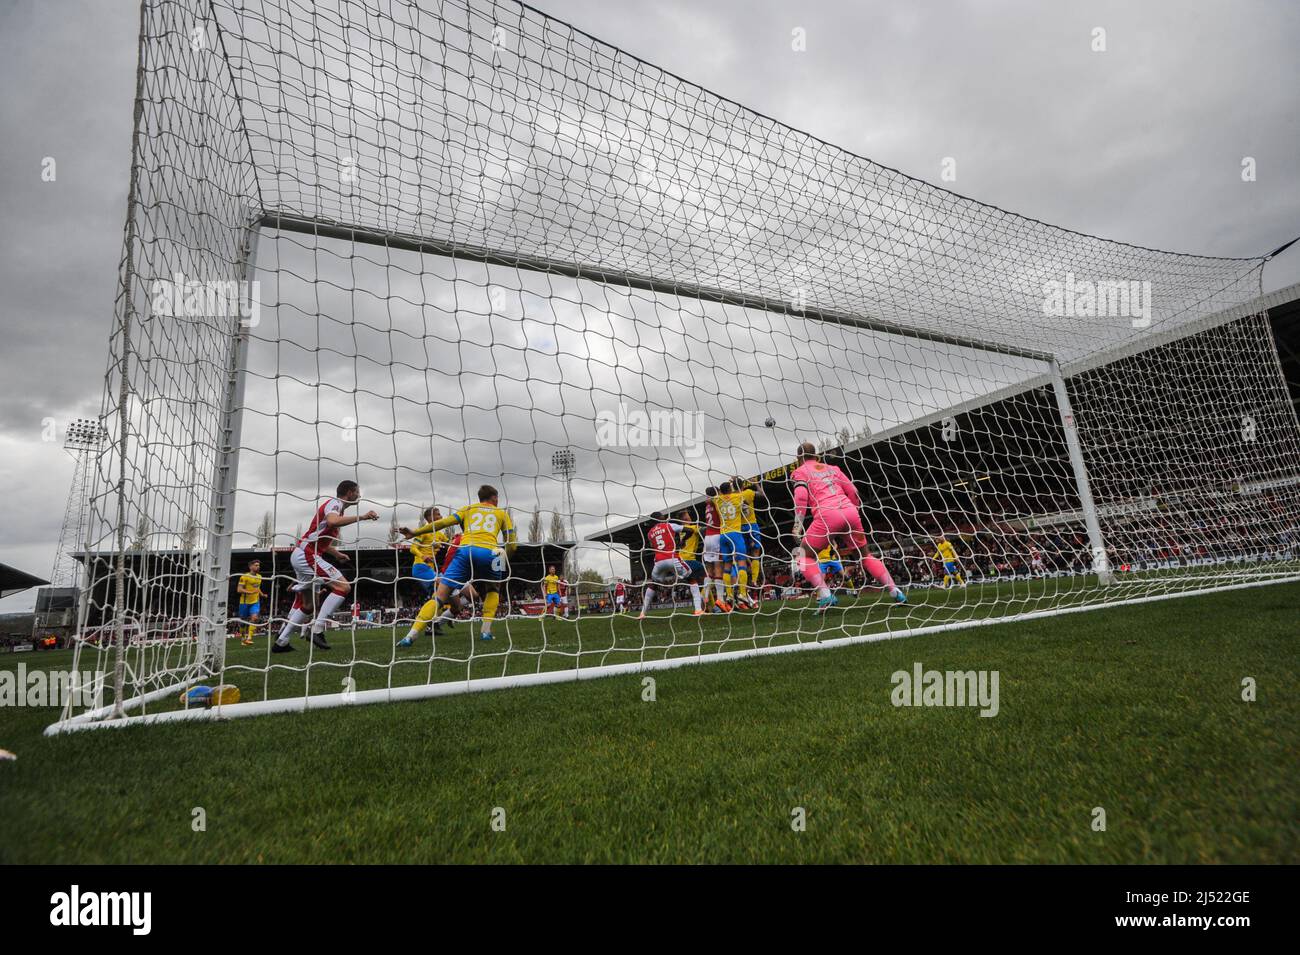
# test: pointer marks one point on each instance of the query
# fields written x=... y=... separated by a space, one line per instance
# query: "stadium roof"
x=15 y=581
x=1285 y=319
x=1282 y=306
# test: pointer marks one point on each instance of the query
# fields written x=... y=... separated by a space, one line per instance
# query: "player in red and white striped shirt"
x=311 y=567
x=668 y=569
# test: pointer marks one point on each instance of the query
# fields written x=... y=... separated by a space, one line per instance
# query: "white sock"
x=649 y=595
x=695 y=596
x=296 y=619
x=823 y=591
x=327 y=607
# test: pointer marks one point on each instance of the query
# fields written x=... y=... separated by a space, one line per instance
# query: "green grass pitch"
x=1137 y=710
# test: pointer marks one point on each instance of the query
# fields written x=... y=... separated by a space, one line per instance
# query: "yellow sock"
x=490 y=610
x=744 y=584
x=430 y=610
x=251 y=628
x=727 y=586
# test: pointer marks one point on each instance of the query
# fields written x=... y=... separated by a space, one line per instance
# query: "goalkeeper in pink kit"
x=832 y=499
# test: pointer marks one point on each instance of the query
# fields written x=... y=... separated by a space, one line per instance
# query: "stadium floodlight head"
x=84 y=434
x=481 y=232
x=564 y=464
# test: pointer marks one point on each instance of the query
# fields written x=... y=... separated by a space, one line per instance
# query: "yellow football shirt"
x=731 y=510
x=425 y=547
x=481 y=524
x=250 y=588
x=747 y=515
x=690 y=542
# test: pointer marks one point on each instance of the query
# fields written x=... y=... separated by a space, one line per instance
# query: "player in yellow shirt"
x=688 y=551
x=551 y=588
x=752 y=532
x=249 y=589
x=731 y=503
x=945 y=552
x=424 y=552
x=689 y=548
x=486 y=543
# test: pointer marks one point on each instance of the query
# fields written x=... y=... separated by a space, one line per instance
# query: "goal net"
x=428 y=247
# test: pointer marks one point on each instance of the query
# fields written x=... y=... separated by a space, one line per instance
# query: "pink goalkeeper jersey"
x=821 y=487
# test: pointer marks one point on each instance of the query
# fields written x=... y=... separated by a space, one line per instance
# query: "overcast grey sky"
x=1142 y=143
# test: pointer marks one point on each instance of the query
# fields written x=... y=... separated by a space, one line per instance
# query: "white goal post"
x=428 y=247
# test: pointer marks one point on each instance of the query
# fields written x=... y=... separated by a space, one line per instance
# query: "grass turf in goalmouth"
x=1136 y=711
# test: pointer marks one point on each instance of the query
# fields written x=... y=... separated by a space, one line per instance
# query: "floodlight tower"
x=84 y=439
x=564 y=465
x=58 y=603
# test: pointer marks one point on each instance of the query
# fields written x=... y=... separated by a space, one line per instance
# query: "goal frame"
x=223 y=479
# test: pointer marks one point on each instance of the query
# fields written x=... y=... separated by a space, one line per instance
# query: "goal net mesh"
x=434 y=245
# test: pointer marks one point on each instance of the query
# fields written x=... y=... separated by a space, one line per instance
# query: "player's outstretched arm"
x=437 y=525
x=343 y=520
